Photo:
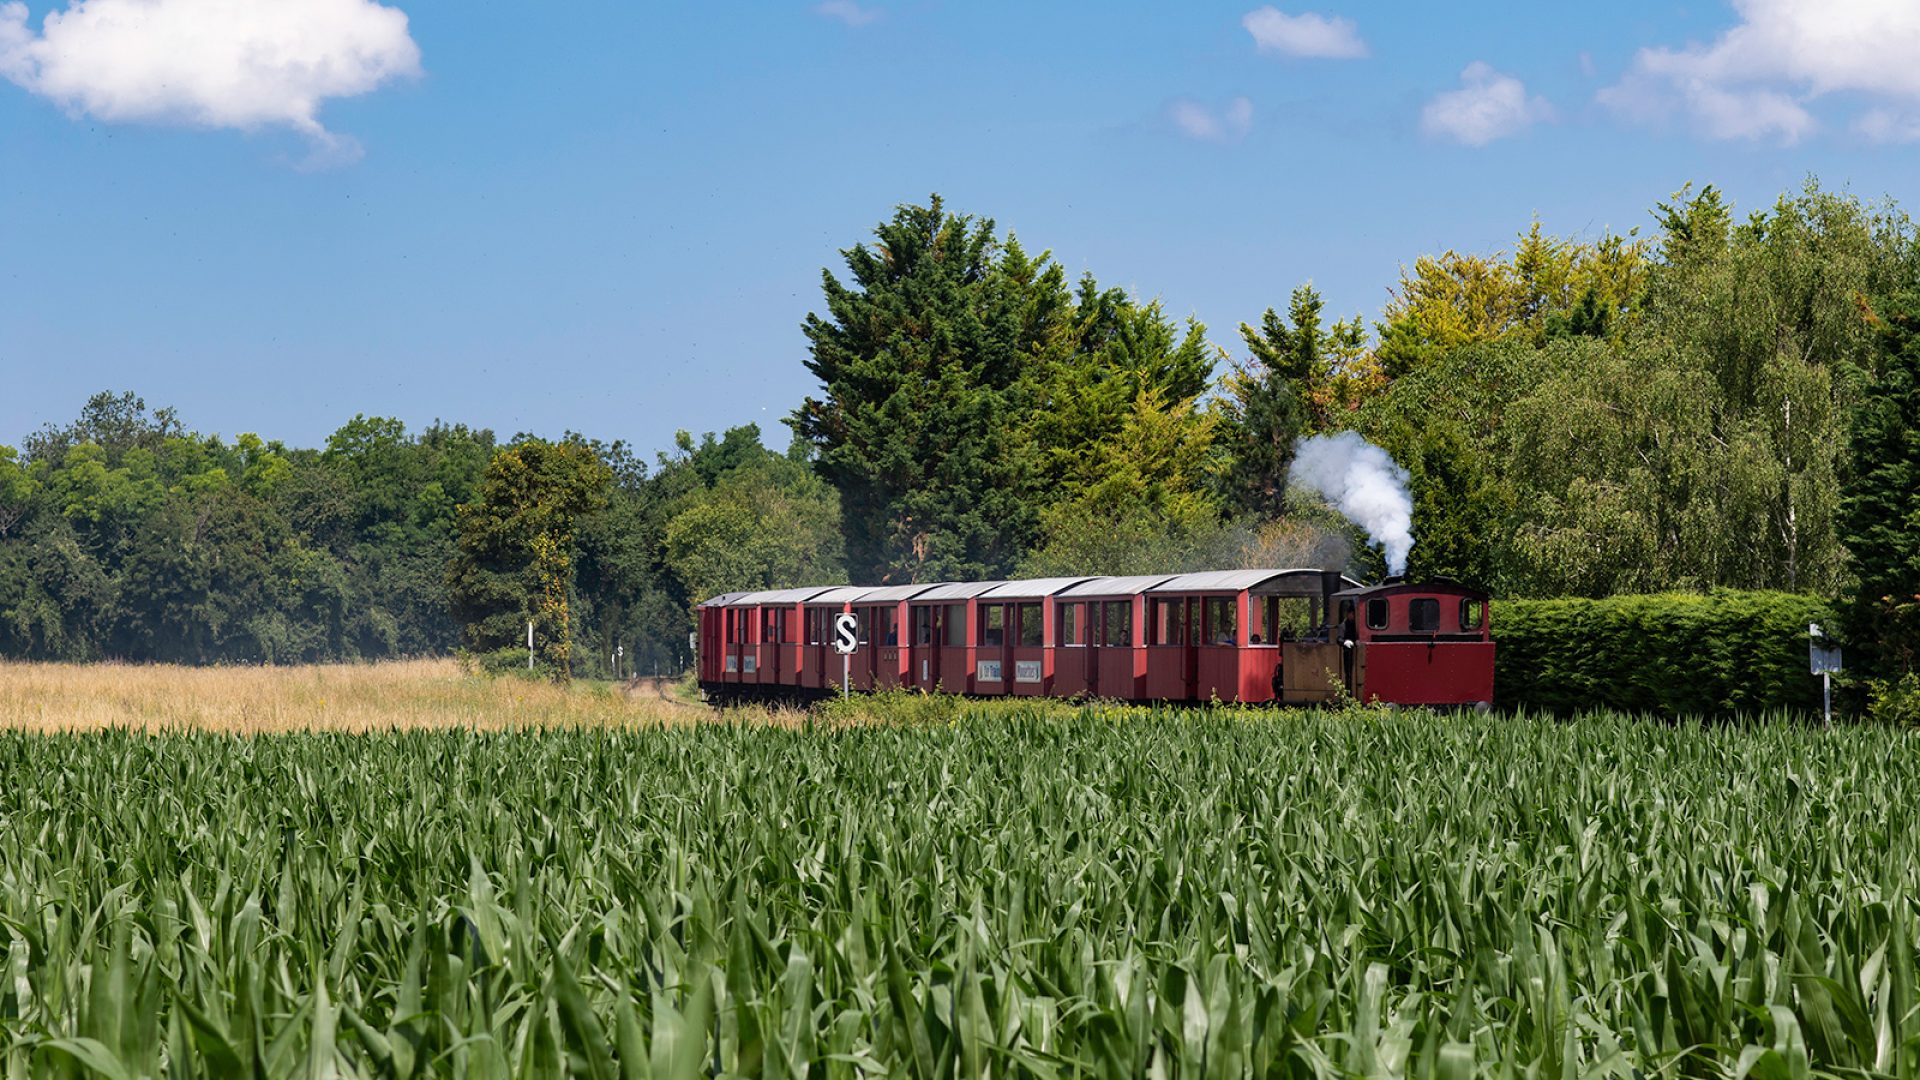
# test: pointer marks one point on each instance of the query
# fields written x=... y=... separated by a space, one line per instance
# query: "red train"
x=1295 y=636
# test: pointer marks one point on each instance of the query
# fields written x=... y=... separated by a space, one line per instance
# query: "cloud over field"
x=1305 y=35
x=1756 y=80
x=240 y=64
x=1487 y=106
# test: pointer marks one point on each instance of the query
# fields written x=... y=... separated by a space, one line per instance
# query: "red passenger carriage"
x=1294 y=636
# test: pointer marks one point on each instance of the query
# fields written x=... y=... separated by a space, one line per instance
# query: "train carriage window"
x=923 y=626
x=1119 y=623
x=1031 y=626
x=954 y=618
x=1069 y=632
x=1217 y=617
x=889 y=625
x=1377 y=613
x=1473 y=614
x=993 y=626
x=1169 y=624
x=1423 y=615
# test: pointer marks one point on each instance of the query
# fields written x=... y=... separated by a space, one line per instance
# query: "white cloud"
x=847 y=11
x=1487 y=106
x=243 y=64
x=1755 y=80
x=1198 y=121
x=1888 y=125
x=1306 y=34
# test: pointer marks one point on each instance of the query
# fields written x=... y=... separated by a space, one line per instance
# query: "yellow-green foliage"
x=1672 y=654
x=1022 y=890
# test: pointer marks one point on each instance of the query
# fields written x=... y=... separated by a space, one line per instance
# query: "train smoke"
x=1362 y=482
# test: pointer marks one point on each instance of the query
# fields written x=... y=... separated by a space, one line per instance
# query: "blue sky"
x=613 y=217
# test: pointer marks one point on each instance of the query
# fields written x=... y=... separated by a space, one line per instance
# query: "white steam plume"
x=1362 y=482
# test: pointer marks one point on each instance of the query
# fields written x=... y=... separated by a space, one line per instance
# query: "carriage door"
x=1191 y=632
x=1096 y=632
x=920 y=657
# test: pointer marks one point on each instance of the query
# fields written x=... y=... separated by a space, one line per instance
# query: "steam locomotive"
x=1297 y=637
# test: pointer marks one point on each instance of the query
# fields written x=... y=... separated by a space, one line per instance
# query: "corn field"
x=1044 y=893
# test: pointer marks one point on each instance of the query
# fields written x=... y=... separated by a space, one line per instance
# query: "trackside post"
x=846 y=637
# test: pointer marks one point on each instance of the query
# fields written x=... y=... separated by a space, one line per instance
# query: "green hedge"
x=1675 y=654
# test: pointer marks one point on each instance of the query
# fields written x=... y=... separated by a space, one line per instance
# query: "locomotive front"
x=1416 y=643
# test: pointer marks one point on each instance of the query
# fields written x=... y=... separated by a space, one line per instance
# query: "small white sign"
x=846 y=633
x=1026 y=671
x=987 y=671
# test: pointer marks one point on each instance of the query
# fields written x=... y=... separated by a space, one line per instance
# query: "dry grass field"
x=415 y=694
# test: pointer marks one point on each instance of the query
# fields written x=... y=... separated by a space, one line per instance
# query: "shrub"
x=1674 y=654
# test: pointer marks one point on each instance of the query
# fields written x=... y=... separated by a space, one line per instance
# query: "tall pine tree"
x=1880 y=507
x=924 y=358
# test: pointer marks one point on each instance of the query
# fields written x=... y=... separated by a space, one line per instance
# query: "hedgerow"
x=1673 y=654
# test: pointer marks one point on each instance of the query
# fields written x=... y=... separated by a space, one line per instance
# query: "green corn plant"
x=967 y=889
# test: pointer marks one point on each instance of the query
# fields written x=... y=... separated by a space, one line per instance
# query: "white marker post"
x=529 y=644
x=1823 y=658
x=846 y=637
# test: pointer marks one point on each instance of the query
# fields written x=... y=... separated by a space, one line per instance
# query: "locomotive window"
x=1070 y=627
x=1119 y=623
x=1030 y=626
x=954 y=618
x=1473 y=614
x=993 y=627
x=1423 y=615
x=1377 y=613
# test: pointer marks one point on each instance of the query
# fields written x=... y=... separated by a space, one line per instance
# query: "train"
x=1287 y=637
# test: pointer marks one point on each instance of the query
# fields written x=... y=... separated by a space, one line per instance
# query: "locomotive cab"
x=1415 y=643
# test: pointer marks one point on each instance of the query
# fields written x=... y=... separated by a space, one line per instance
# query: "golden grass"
x=333 y=697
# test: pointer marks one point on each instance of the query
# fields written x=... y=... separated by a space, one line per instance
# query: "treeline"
x=1722 y=402
x=124 y=535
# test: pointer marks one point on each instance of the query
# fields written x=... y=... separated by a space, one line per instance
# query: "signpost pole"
x=1824 y=659
x=846 y=676
x=529 y=644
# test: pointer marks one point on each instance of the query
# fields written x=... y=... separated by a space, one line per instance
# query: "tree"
x=17 y=488
x=1148 y=506
x=764 y=524
x=1104 y=351
x=516 y=547
x=1548 y=287
x=1299 y=378
x=924 y=359
x=1880 y=513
